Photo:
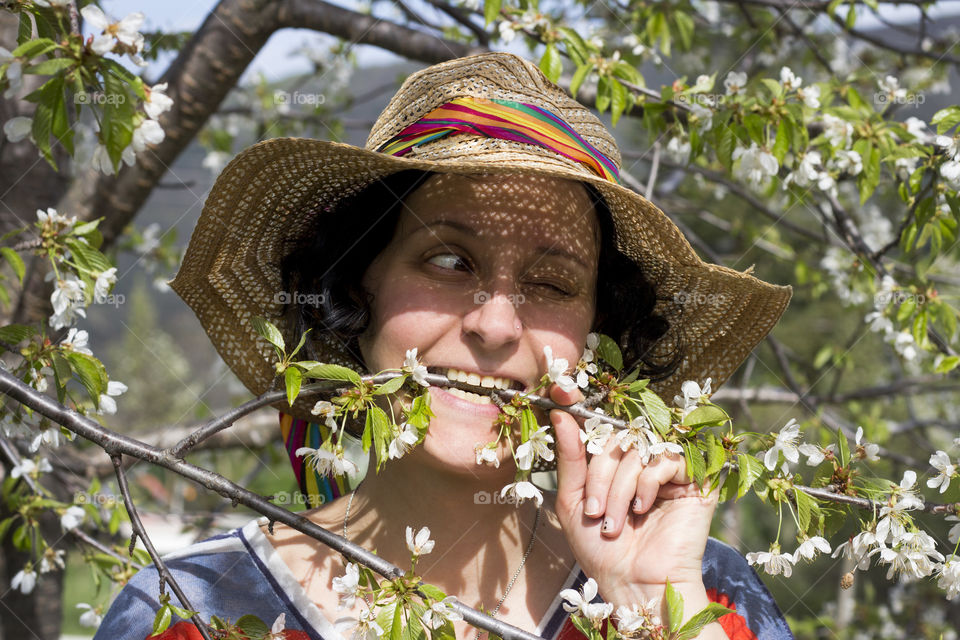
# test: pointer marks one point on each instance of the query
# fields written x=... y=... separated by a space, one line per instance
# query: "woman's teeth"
x=470 y=397
x=475 y=379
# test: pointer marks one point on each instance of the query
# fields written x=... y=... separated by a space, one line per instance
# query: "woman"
x=513 y=235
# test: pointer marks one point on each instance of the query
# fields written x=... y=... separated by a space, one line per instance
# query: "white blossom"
x=67 y=300
x=789 y=79
x=326 y=462
x=17 y=128
x=892 y=90
x=949 y=576
x=520 y=491
x=870 y=451
x=911 y=555
x=52 y=559
x=413 y=366
x=631 y=620
x=639 y=435
x=950 y=146
x=538 y=446
x=941 y=462
x=77 y=340
x=123 y=32
x=14 y=73
x=105 y=280
x=27 y=467
x=108 y=405
x=678 y=149
x=786 y=442
x=157 y=101
x=581 y=602
x=595 y=434
x=73 y=517
x=326 y=410
x=735 y=82
x=954 y=534
x=90 y=617
x=773 y=562
x=440 y=612
x=556 y=370
x=838 y=131
x=406 y=439
x=25 y=580
x=147 y=133
x=858 y=548
x=848 y=161
x=348 y=586
x=810 y=96
x=507 y=31
x=918 y=128
x=487 y=454
x=808 y=548
x=419 y=544
x=905 y=345
x=692 y=395
x=756 y=164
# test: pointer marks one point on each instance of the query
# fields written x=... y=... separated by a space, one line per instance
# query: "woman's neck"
x=477 y=536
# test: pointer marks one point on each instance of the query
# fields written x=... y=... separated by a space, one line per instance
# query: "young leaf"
x=390 y=386
x=292 y=377
x=269 y=332
x=550 y=63
x=13 y=334
x=162 y=620
x=334 y=372
x=528 y=424
x=609 y=351
x=705 y=416
x=710 y=613
x=15 y=261
x=844 y=447
x=491 y=11
x=674 y=607
x=750 y=470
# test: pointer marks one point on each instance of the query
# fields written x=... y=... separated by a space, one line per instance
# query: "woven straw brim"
x=271 y=199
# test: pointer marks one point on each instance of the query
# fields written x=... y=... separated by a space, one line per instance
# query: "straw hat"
x=272 y=198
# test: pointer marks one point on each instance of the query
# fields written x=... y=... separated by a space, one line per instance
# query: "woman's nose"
x=493 y=319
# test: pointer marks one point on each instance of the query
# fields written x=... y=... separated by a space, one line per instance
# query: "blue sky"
x=275 y=60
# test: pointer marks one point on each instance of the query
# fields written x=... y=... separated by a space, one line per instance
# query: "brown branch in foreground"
x=116 y=444
x=139 y=532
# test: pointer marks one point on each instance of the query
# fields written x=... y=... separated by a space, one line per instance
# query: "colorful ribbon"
x=316 y=488
x=507 y=120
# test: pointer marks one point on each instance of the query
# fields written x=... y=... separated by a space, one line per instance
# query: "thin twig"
x=139 y=532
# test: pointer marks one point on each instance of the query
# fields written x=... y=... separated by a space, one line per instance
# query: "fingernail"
x=607 y=525
x=593 y=507
x=637 y=505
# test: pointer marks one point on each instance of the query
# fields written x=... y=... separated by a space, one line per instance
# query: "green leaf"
x=390 y=386
x=619 y=98
x=947 y=364
x=946 y=119
x=782 y=143
x=528 y=424
x=709 y=614
x=13 y=334
x=303 y=339
x=805 y=507
x=51 y=66
x=293 y=378
x=381 y=432
x=578 y=77
x=844 y=447
x=432 y=592
x=334 y=372
x=696 y=467
x=674 y=607
x=658 y=410
x=118 y=113
x=756 y=128
x=491 y=11
x=15 y=261
x=252 y=626
x=87 y=256
x=576 y=47
x=685 y=29
x=609 y=352
x=397 y=627
x=269 y=332
x=750 y=470
x=550 y=63
x=162 y=620
x=603 y=93
x=186 y=614
x=92 y=374
x=705 y=416
x=34 y=48
x=716 y=454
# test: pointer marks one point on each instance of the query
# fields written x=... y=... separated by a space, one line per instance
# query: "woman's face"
x=481 y=274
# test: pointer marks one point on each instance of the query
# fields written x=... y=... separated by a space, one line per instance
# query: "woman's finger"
x=600 y=474
x=571 y=452
x=661 y=470
x=621 y=492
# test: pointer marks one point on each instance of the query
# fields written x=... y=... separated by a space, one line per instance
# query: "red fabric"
x=186 y=631
x=733 y=624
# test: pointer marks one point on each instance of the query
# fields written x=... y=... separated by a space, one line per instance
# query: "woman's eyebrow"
x=459 y=226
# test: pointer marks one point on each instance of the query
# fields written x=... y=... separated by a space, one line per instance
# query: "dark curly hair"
x=330 y=270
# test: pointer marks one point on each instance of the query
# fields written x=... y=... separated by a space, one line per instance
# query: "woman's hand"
x=631 y=526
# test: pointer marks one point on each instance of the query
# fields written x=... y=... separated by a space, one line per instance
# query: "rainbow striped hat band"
x=507 y=120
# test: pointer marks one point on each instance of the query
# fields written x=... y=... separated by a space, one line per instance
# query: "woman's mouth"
x=475 y=379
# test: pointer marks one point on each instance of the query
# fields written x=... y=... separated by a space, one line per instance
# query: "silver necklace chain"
x=516 y=574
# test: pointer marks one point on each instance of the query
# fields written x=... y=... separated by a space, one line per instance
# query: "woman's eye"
x=449 y=261
x=553 y=289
